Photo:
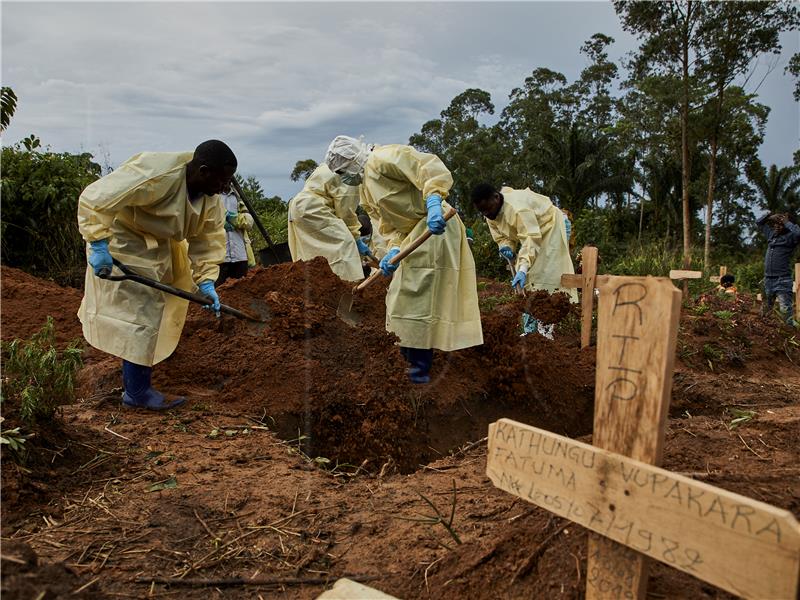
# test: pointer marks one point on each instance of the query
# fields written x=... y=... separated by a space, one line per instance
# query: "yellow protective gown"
x=144 y=208
x=323 y=222
x=531 y=225
x=432 y=300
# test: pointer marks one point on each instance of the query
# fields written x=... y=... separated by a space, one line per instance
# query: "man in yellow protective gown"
x=432 y=300
x=530 y=226
x=160 y=214
x=323 y=222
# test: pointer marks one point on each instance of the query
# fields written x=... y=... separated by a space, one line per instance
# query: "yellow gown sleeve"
x=424 y=171
x=207 y=245
x=499 y=237
x=101 y=200
x=345 y=205
x=244 y=220
x=530 y=237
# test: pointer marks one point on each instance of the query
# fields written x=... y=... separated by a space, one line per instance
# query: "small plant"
x=701 y=309
x=725 y=315
x=437 y=518
x=13 y=438
x=37 y=376
x=740 y=416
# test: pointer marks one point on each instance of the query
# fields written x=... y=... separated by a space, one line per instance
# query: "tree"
x=778 y=188
x=303 y=168
x=670 y=44
x=471 y=151
x=8 y=105
x=731 y=36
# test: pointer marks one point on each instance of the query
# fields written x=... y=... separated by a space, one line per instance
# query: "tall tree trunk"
x=712 y=175
x=685 y=177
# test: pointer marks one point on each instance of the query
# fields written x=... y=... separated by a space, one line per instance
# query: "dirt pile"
x=727 y=333
x=345 y=390
x=27 y=301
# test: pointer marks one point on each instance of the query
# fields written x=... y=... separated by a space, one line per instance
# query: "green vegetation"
x=37 y=378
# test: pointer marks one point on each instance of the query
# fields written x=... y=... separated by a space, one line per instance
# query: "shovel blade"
x=345 y=310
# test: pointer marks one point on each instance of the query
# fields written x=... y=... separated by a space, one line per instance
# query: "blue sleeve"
x=762 y=225
x=794 y=230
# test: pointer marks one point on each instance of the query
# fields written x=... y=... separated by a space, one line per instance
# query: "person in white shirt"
x=237 y=223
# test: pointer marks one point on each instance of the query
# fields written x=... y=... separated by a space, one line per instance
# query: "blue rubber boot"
x=420 y=361
x=138 y=391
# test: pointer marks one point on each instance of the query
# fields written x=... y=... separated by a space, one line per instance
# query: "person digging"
x=160 y=214
x=531 y=223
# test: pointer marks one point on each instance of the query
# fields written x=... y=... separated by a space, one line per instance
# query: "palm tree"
x=779 y=187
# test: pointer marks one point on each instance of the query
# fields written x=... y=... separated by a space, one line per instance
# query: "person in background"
x=237 y=223
x=323 y=222
x=726 y=285
x=568 y=220
x=783 y=237
x=160 y=214
x=432 y=301
x=531 y=231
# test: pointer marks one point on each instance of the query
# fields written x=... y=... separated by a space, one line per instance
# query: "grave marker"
x=739 y=544
x=585 y=281
x=637 y=331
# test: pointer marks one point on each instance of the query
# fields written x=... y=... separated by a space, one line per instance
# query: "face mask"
x=350 y=179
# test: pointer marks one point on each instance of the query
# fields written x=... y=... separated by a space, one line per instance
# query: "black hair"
x=215 y=154
x=481 y=192
x=366 y=225
x=727 y=279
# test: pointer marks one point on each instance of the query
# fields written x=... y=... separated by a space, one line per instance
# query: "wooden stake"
x=797 y=291
x=586 y=282
x=589 y=262
x=636 y=336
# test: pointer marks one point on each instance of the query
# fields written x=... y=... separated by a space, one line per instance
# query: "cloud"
x=278 y=81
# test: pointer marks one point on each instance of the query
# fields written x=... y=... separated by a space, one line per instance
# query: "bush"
x=37 y=378
x=40 y=193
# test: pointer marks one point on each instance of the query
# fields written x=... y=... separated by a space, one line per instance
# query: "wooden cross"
x=585 y=282
x=614 y=487
x=717 y=278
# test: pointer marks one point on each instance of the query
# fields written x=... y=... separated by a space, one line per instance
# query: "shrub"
x=37 y=378
x=40 y=193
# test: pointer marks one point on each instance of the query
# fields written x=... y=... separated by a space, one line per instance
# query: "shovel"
x=345 y=309
x=274 y=253
x=131 y=275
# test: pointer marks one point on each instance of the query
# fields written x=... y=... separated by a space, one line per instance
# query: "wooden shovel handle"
x=403 y=253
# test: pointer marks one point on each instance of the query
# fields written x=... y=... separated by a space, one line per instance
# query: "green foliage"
x=303 y=168
x=40 y=193
x=749 y=275
x=724 y=315
x=8 y=105
x=37 y=377
x=272 y=212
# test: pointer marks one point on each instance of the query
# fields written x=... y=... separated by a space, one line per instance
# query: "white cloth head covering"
x=347 y=154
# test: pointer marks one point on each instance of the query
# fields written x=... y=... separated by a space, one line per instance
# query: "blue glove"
x=207 y=289
x=100 y=258
x=363 y=249
x=230 y=220
x=506 y=252
x=436 y=222
x=519 y=279
x=387 y=268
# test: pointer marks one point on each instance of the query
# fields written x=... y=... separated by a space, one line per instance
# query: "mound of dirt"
x=27 y=301
x=344 y=390
x=721 y=333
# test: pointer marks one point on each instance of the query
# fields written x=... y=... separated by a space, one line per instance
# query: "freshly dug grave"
x=344 y=390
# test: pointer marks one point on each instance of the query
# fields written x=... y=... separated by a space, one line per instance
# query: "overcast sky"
x=277 y=81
